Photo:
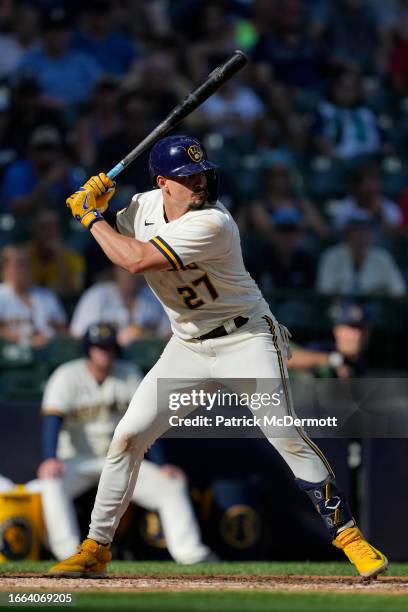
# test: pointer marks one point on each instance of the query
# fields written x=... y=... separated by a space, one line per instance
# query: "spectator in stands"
x=398 y=66
x=211 y=37
x=345 y=126
x=262 y=18
x=7 y=151
x=127 y=303
x=354 y=35
x=99 y=122
x=343 y=355
x=403 y=206
x=232 y=109
x=280 y=193
x=23 y=39
x=113 y=50
x=356 y=267
x=288 y=52
x=291 y=127
x=28 y=113
x=66 y=76
x=158 y=77
x=42 y=179
x=28 y=314
x=366 y=196
x=199 y=20
x=136 y=125
x=53 y=264
x=283 y=262
x=147 y=21
x=6 y=14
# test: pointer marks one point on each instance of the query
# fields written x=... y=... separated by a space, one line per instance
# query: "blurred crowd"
x=311 y=138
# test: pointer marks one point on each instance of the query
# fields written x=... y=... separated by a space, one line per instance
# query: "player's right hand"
x=51 y=468
x=103 y=189
x=83 y=207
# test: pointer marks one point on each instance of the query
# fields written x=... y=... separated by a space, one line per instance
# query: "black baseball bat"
x=215 y=79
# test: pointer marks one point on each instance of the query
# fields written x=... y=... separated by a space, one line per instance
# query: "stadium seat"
x=400 y=131
x=398 y=247
x=144 y=353
x=7 y=230
x=306 y=101
x=23 y=384
x=14 y=355
x=60 y=350
x=394 y=176
x=325 y=179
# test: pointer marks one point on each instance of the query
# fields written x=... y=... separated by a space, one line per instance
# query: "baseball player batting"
x=82 y=403
x=185 y=242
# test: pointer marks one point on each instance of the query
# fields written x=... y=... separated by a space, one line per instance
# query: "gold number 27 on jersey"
x=190 y=296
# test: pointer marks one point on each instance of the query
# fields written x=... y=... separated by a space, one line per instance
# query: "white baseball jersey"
x=206 y=284
x=103 y=303
x=91 y=410
x=43 y=312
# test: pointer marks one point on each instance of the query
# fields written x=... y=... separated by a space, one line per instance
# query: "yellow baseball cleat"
x=368 y=560
x=89 y=562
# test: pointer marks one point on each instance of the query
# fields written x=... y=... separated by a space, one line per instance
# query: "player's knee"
x=172 y=487
x=291 y=446
x=123 y=443
x=62 y=548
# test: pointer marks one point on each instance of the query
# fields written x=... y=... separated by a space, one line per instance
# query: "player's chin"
x=198 y=201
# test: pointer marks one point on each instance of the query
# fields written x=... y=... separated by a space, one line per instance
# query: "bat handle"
x=116 y=170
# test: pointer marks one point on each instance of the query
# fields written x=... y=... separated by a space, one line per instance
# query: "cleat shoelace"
x=360 y=548
x=82 y=550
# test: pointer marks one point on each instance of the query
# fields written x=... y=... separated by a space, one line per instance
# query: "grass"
x=244 y=600
x=247 y=568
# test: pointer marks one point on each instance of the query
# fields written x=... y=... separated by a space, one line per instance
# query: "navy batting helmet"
x=180 y=155
x=102 y=335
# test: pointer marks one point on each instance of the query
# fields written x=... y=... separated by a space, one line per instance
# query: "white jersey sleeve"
x=52 y=305
x=199 y=236
x=87 y=311
x=125 y=218
x=91 y=410
x=59 y=392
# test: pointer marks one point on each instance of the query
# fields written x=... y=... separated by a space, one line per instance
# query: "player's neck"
x=22 y=290
x=172 y=211
x=100 y=374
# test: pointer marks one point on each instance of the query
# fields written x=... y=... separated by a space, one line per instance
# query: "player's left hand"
x=51 y=468
x=173 y=471
x=103 y=189
x=83 y=207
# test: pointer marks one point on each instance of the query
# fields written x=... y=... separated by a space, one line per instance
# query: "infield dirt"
x=12 y=581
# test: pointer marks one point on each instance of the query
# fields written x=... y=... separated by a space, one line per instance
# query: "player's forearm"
x=121 y=250
x=52 y=424
x=305 y=359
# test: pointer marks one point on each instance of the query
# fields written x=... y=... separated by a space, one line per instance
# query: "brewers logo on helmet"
x=181 y=155
x=196 y=153
x=102 y=335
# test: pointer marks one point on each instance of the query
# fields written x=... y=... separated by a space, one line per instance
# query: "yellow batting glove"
x=83 y=207
x=103 y=189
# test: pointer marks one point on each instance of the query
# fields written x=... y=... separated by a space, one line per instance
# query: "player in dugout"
x=83 y=402
x=186 y=243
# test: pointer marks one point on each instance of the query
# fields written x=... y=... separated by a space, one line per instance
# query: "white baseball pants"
x=253 y=351
x=154 y=491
